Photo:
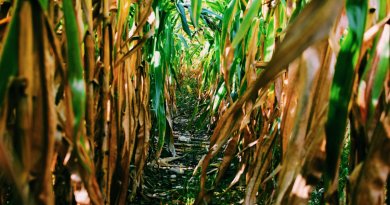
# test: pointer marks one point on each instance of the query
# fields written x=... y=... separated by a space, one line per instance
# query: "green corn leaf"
x=284 y=3
x=168 y=139
x=178 y=46
x=161 y=123
x=184 y=22
x=225 y=22
x=205 y=12
x=218 y=98
x=216 y=5
x=201 y=120
x=75 y=70
x=158 y=76
x=44 y=4
x=183 y=40
x=297 y=10
x=157 y=67
x=196 y=8
x=161 y=22
x=238 y=72
x=382 y=9
x=212 y=14
x=168 y=49
x=173 y=72
x=204 y=20
x=194 y=51
x=74 y=62
x=168 y=39
x=192 y=118
x=247 y=21
x=9 y=55
x=342 y=86
x=269 y=42
x=217 y=57
x=236 y=62
x=205 y=76
x=281 y=14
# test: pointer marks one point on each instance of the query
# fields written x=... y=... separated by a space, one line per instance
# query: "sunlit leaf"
x=252 y=11
x=196 y=8
x=342 y=86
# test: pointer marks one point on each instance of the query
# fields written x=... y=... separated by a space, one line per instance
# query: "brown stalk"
x=104 y=108
x=89 y=59
x=44 y=117
x=24 y=92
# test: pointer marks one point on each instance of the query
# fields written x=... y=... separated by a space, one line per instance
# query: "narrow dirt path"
x=170 y=182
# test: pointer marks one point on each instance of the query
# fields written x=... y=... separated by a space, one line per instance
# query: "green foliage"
x=252 y=12
x=76 y=80
x=9 y=67
x=342 y=86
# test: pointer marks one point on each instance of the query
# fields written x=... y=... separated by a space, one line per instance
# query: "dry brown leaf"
x=308 y=76
x=313 y=163
x=370 y=185
x=42 y=140
x=260 y=168
x=290 y=105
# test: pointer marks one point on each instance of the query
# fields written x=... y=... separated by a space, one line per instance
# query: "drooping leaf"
x=184 y=22
x=196 y=8
x=342 y=87
x=161 y=125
